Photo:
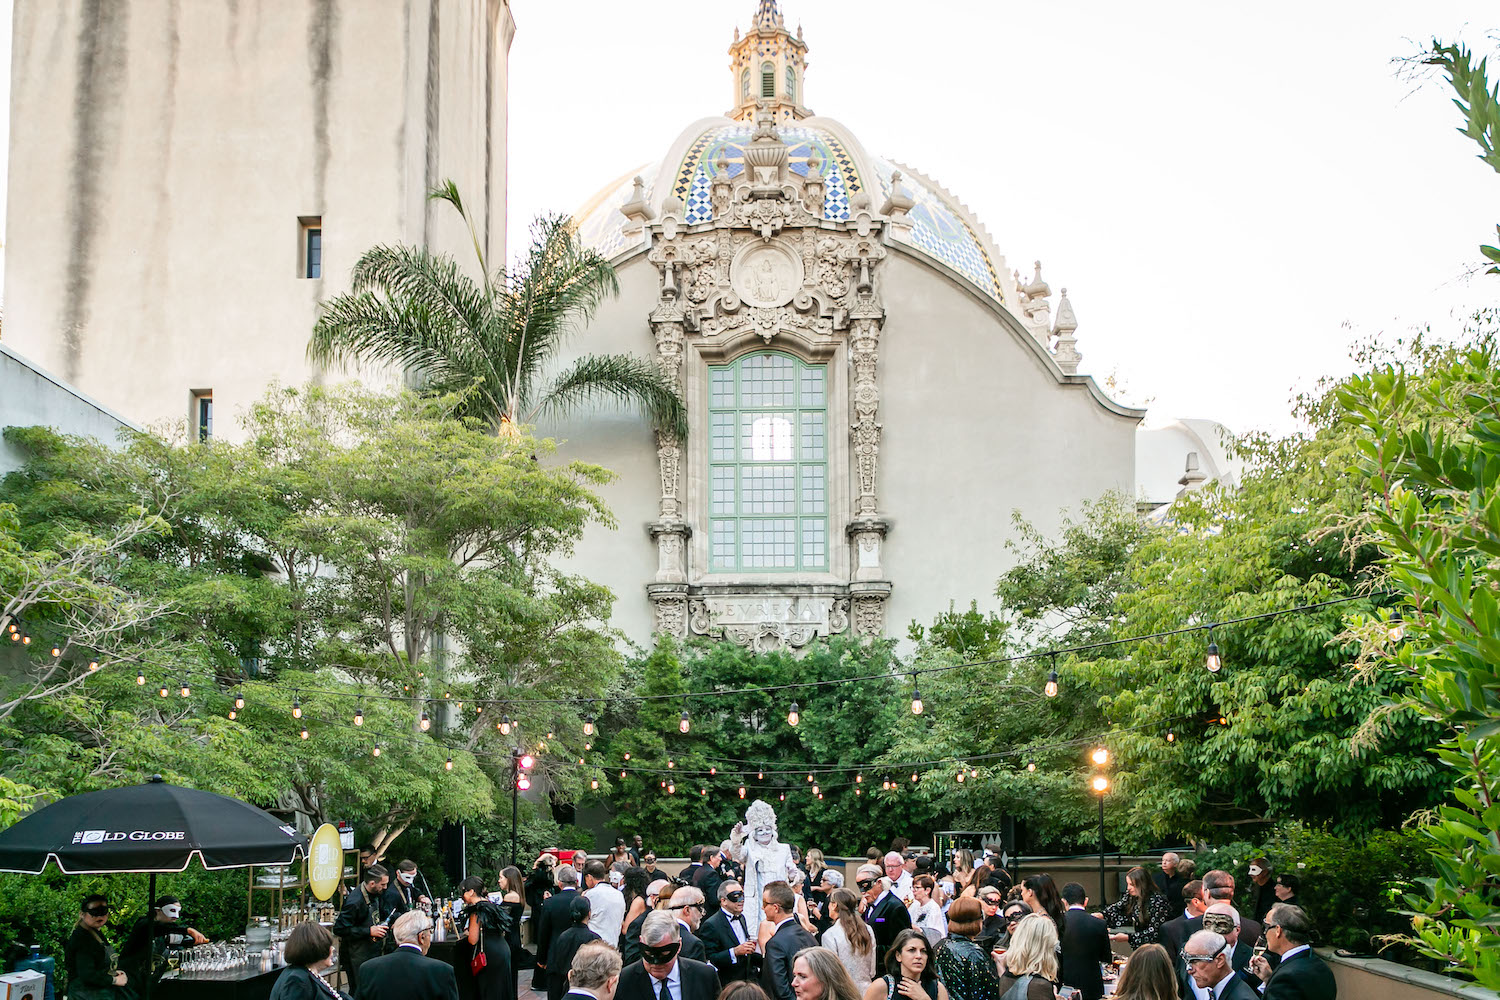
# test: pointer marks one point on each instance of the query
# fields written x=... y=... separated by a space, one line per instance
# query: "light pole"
x=520 y=781
x=1101 y=787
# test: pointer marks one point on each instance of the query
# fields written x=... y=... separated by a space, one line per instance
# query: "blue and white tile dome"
x=940 y=226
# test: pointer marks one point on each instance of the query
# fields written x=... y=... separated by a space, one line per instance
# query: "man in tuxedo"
x=884 y=911
x=1085 y=944
x=1174 y=933
x=729 y=943
x=1221 y=918
x=362 y=923
x=895 y=870
x=779 y=904
x=1218 y=886
x=1300 y=975
x=554 y=919
x=662 y=973
x=686 y=905
x=695 y=861
x=594 y=974
x=407 y=973
x=706 y=880
x=1209 y=974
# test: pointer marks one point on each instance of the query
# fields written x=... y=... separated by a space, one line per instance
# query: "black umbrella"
x=155 y=827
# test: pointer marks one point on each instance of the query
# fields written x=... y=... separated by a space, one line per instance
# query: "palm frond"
x=621 y=379
x=434 y=280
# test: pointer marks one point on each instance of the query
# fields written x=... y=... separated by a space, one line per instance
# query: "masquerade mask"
x=735 y=897
x=865 y=884
x=408 y=877
x=1191 y=959
x=1219 y=923
x=1256 y=869
x=660 y=954
x=172 y=911
x=98 y=910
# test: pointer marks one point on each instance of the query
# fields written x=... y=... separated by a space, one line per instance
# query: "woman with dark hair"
x=309 y=951
x=636 y=890
x=1287 y=886
x=1142 y=907
x=743 y=989
x=484 y=927
x=960 y=964
x=1147 y=976
x=963 y=871
x=850 y=938
x=1040 y=893
x=978 y=880
x=908 y=971
x=513 y=902
x=93 y=970
x=560 y=956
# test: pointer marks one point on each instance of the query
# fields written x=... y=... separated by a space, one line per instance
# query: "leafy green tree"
x=1430 y=455
x=492 y=340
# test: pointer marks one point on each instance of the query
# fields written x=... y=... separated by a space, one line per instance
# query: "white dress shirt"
x=902 y=886
x=607 y=912
x=1285 y=955
x=673 y=981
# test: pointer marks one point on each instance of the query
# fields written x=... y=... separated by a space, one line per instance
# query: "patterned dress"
x=964 y=968
x=1122 y=912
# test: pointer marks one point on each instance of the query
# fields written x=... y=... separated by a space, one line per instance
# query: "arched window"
x=767 y=80
x=745 y=84
x=768 y=465
x=791 y=84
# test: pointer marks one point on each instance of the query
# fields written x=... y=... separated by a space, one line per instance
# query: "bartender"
x=90 y=959
x=403 y=895
x=153 y=934
x=363 y=923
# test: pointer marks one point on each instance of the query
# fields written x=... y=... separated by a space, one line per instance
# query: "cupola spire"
x=767 y=63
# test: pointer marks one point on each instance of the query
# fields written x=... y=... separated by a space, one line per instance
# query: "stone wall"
x=30 y=397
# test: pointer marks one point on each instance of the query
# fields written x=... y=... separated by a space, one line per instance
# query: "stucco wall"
x=30 y=397
x=975 y=425
x=163 y=151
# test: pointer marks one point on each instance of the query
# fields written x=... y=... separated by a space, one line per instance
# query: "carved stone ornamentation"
x=763 y=622
x=671 y=617
x=864 y=352
x=869 y=616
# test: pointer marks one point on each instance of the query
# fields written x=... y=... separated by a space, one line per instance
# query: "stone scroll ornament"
x=754 y=845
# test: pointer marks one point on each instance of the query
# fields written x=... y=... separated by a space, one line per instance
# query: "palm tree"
x=491 y=341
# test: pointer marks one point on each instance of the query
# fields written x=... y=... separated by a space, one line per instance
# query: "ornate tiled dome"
x=940 y=226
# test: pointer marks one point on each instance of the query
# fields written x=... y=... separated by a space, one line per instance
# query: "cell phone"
x=1068 y=993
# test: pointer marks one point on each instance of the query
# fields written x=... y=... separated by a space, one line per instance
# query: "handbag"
x=478 y=961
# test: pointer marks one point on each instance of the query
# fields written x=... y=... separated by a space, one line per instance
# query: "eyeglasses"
x=1271 y=927
x=1195 y=959
x=690 y=906
x=735 y=897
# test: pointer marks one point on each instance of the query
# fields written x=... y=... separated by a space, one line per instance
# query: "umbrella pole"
x=150 y=938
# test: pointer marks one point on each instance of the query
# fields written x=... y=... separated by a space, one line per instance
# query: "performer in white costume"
x=764 y=858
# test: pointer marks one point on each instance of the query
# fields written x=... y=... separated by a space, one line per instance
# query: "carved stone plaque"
x=766 y=274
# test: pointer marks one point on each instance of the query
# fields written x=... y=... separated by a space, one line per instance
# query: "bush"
x=1350 y=888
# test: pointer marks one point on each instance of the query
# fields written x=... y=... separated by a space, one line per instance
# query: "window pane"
x=721 y=500
x=721 y=437
x=768 y=544
x=812 y=387
x=721 y=545
x=814 y=490
x=812 y=438
x=768 y=437
x=721 y=388
x=768 y=380
x=814 y=543
x=768 y=489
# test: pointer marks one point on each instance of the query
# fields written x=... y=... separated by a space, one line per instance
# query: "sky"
x=1232 y=194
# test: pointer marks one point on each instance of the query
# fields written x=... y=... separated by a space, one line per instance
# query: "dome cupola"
x=767 y=64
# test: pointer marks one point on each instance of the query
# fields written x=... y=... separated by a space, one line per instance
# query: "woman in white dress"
x=850 y=938
x=926 y=912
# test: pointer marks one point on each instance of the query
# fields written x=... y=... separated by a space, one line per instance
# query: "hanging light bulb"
x=1031 y=765
x=1223 y=720
x=671 y=788
x=809 y=776
x=449 y=765
x=713 y=769
x=885 y=785
x=782 y=797
x=239 y=699
x=627 y=754
x=93 y=665
x=594 y=784
x=1171 y=736
x=1100 y=756
x=663 y=784
x=359 y=715
x=296 y=706
x=588 y=726
x=859 y=791
x=25 y=640
x=859 y=778
x=684 y=725
x=140 y=678
x=671 y=763
x=184 y=689
x=588 y=746
x=703 y=791
x=162 y=691
x=1051 y=687
x=504 y=726
x=56 y=651
x=794 y=716
x=376 y=751
x=303 y=733
x=622 y=775
x=960 y=776
x=760 y=775
x=233 y=715
x=580 y=760
x=914 y=776
x=916 y=697
x=1212 y=661
x=1395 y=628
x=820 y=797
x=425 y=722
x=551 y=734
x=742 y=791
x=815 y=790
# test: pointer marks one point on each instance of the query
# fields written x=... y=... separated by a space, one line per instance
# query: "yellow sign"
x=325 y=864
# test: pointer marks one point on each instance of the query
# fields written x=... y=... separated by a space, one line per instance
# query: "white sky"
x=1232 y=194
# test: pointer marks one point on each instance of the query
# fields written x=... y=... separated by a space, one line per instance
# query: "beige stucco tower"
x=188 y=180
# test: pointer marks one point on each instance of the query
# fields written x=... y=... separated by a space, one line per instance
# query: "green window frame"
x=768 y=490
x=791 y=84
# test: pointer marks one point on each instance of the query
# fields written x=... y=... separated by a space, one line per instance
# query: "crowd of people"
x=909 y=927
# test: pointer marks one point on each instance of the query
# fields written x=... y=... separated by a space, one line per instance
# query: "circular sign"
x=325 y=862
x=766 y=274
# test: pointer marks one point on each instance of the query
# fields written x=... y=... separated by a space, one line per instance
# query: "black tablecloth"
x=236 y=984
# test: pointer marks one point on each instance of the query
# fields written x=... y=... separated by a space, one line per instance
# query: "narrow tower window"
x=745 y=84
x=791 y=84
x=767 y=80
x=310 y=248
x=203 y=413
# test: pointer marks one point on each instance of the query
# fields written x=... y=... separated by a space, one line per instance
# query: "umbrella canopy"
x=155 y=827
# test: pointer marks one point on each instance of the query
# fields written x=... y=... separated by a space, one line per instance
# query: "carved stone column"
x=670 y=533
x=864 y=432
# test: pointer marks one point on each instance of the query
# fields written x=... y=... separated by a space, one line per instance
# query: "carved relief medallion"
x=766 y=274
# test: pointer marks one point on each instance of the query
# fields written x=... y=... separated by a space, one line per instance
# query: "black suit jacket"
x=1085 y=943
x=699 y=981
x=1173 y=936
x=406 y=974
x=708 y=879
x=1305 y=976
x=560 y=958
x=550 y=926
x=719 y=939
x=691 y=946
x=887 y=918
x=781 y=951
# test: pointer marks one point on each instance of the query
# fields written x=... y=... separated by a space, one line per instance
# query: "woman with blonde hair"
x=1030 y=964
x=1147 y=976
x=817 y=974
x=850 y=938
x=963 y=871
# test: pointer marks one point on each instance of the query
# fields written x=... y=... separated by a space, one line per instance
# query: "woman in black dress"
x=483 y=926
x=910 y=974
x=513 y=902
x=93 y=969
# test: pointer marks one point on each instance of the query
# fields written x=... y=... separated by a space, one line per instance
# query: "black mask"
x=97 y=911
x=660 y=954
x=735 y=897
